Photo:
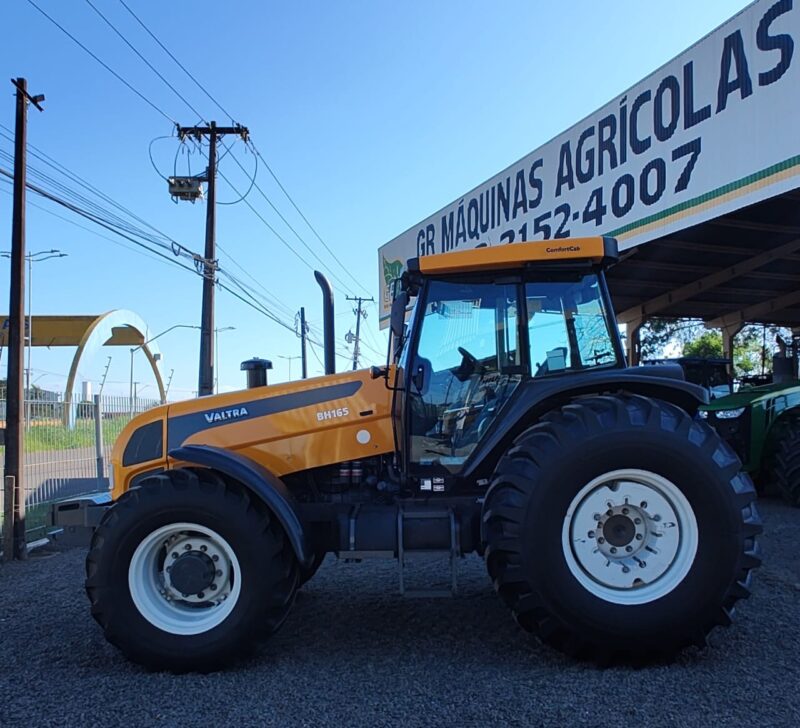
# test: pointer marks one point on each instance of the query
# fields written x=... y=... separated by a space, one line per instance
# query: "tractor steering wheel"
x=472 y=360
x=468 y=366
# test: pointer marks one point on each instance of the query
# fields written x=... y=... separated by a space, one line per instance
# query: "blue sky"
x=373 y=114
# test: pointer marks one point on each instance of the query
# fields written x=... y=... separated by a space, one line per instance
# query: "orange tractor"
x=614 y=522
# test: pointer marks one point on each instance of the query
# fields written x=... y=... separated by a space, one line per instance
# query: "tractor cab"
x=485 y=326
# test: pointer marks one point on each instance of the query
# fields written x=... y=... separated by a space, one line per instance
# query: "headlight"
x=730 y=414
x=702 y=414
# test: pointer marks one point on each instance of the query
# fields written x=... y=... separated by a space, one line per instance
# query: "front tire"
x=187 y=573
x=619 y=528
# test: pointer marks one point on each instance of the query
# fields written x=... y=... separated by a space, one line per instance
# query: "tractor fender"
x=537 y=396
x=270 y=489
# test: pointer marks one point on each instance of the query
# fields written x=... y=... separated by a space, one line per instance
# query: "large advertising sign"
x=713 y=130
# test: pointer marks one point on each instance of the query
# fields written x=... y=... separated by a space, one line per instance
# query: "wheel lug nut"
x=213 y=587
x=601 y=540
x=642 y=564
x=188 y=547
x=624 y=511
x=629 y=548
x=597 y=516
x=169 y=568
x=625 y=569
x=215 y=558
x=591 y=534
x=200 y=595
x=638 y=536
x=219 y=572
x=185 y=596
x=609 y=512
x=643 y=504
x=656 y=517
x=204 y=548
x=637 y=521
x=613 y=549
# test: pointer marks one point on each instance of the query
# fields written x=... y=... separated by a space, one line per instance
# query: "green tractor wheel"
x=783 y=471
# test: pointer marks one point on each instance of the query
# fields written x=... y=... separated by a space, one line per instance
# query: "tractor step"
x=402 y=553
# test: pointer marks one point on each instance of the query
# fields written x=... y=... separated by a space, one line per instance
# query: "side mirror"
x=397 y=319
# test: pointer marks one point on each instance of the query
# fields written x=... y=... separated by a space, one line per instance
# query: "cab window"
x=568 y=326
x=467 y=364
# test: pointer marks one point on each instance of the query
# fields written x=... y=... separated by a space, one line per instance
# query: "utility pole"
x=213 y=132
x=16 y=335
x=357 y=338
x=303 y=337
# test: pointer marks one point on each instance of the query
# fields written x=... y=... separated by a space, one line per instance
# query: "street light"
x=216 y=355
x=32 y=258
x=145 y=343
x=289 y=359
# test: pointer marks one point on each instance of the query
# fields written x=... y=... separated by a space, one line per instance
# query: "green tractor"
x=762 y=424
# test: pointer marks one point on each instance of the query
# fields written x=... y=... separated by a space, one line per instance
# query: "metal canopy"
x=743 y=267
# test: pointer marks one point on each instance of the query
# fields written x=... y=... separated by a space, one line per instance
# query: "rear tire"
x=783 y=472
x=615 y=471
x=189 y=531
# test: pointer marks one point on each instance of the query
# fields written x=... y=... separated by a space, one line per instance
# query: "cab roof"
x=598 y=250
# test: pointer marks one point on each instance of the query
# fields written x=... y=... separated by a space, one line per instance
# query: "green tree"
x=659 y=333
x=708 y=345
x=753 y=347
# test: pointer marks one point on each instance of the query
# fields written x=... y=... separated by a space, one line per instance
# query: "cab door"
x=464 y=361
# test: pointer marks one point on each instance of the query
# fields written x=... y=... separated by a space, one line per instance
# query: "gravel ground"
x=354 y=653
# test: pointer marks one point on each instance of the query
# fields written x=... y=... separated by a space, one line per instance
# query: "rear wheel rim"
x=205 y=561
x=630 y=536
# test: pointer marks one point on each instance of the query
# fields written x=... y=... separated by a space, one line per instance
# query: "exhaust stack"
x=327 y=322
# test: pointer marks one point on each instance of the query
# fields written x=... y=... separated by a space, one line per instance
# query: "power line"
x=91 y=216
x=144 y=60
x=266 y=296
x=285 y=221
x=255 y=150
x=149 y=255
x=100 y=216
x=98 y=221
x=180 y=65
x=110 y=226
x=102 y=63
x=305 y=219
x=95 y=207
x=82 y=182
x=242 y=197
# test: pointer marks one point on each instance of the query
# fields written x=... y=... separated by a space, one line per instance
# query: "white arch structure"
x=117 y=327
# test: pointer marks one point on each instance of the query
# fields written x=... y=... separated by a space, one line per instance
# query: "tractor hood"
x=746 y=397
x=284 y=428
x=292 y=426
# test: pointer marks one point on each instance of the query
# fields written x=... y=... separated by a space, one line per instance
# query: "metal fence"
x=68 y=445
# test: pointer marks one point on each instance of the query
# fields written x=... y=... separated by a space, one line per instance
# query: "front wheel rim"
x=630 y=536
x=205 y=594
